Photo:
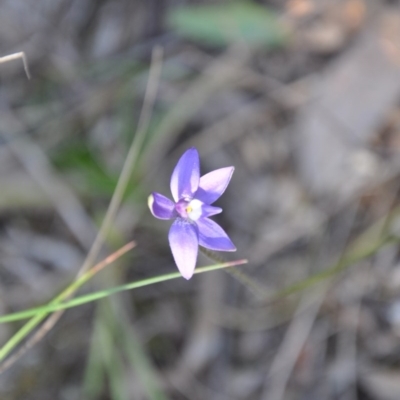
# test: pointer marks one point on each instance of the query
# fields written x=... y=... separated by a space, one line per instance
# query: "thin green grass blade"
x=132 y=348
x=140 y=361
x=93 y=381
x=358 y=254
x=49 y=308
x=112 y=362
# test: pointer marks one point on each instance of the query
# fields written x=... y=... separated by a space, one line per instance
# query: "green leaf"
x=223 y=24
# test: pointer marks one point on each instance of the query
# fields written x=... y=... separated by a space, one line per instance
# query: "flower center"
x=189 y=209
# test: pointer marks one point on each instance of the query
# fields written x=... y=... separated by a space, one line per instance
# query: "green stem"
x=51 y=307
x=257 y=289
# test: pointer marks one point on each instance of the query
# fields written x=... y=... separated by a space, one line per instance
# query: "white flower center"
x=193 y=209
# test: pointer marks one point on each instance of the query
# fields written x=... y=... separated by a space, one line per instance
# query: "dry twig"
x=16 y=56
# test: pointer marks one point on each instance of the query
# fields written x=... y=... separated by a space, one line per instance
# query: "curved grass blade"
x=349 y=260
x=49 y=308
x=37 y=318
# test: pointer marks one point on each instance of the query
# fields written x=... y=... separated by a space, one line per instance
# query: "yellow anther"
x=189 y=209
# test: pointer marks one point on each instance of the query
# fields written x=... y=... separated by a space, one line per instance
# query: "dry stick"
x=221 y=73
x=15 y=56
x=96 y=269
x=227 y=129
x=347 y=346
x=295 y=337
x=137 y=142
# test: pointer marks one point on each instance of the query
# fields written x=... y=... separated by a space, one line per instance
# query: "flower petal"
x=160 y=206
x=208 y=211
x=213 y=184
x=184 y=242
x=186 y=175
x=213 y=237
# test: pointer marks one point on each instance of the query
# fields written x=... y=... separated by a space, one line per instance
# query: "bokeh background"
x=302 y=97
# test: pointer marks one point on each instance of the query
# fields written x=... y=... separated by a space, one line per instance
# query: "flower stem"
x=258 y=290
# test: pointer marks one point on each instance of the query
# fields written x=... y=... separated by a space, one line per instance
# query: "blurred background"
x=302 y=97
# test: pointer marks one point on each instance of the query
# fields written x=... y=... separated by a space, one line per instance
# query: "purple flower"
x=193 y=198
